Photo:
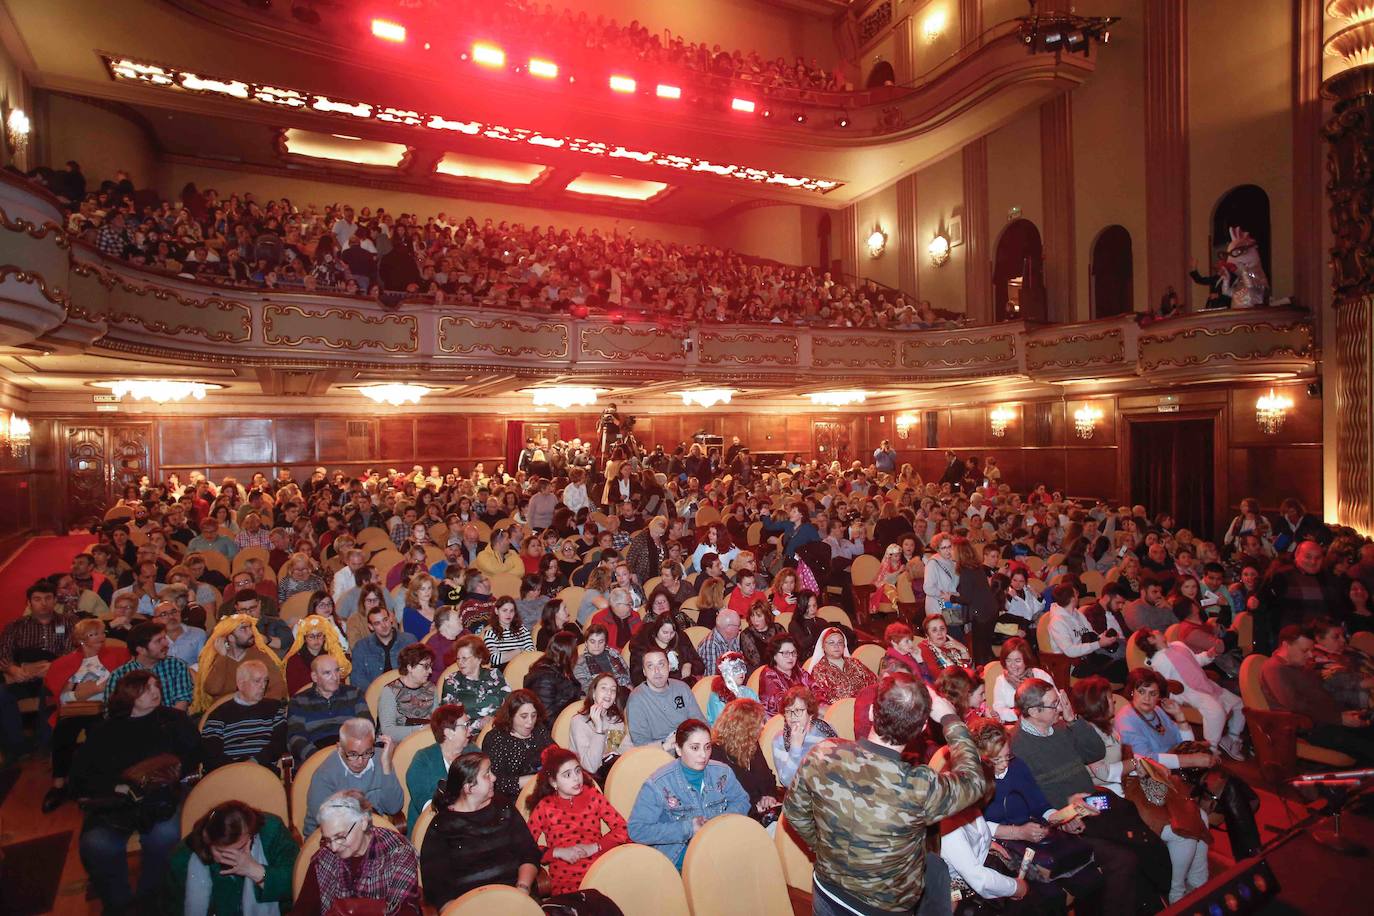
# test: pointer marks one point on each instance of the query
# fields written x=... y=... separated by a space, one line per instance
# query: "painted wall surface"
x=879 y=211
x=303 y=191
x=768 y=232
x=1240 y=92
x=1109 y=159
x=101 y=140
x=15 y=93
x=1014 y=174
x=939 y=195
x=937 y=36
x=995 y=11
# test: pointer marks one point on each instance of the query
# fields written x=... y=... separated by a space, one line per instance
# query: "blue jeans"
x=104 y=852
x=935 y=900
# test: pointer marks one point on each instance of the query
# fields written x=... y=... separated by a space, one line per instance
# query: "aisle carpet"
x=41 y=556
x=31 y=872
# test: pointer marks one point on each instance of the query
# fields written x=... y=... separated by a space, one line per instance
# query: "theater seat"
x=562 y=726
x=732 y=869
x=871 y=655
x=770 y=731
x=373 y=695
x=629 y=773
x=638 y=879
x=246 y=781
x=797 y=863
x=1054 y=663
x=518 y=667
x=493 y=899
x=698 y=635
x=702 y=691
x=840 y=715
x=404 y=756
x=1274 y=731
x=300 y=786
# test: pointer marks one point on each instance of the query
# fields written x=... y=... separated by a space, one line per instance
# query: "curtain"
x=1171 y=471
x=515 y=441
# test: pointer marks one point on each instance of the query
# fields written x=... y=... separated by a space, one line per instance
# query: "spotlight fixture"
x=799 y=117
x=1057 y=31
x=387 y=30
x=488 y=55
x=744 y=105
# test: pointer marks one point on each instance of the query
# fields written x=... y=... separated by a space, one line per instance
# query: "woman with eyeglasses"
x=802 y=730
x=358 y=859
x=782 y=672
x=453 y=734
x=406 y=703
x=472 y=841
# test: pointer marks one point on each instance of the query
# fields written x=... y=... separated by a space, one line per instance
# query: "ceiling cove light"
x=121 y=68
x=665 y=91
x=563 y=396
x=387 y=30
x=615 y=186
x=476 y=168
x=842 y=398
x=707 y=398
x=745 y=105
x=623 y=84
x=395 y=393
x=488 y=55
x=544 y=69
x=157 y=390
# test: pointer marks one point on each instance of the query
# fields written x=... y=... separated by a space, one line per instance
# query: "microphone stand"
x=1338 y=788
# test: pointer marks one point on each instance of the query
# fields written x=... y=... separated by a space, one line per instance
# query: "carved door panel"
x=831 y=441
x=100 y=462
x=130 y=456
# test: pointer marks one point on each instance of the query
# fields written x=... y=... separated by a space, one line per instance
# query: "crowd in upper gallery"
x=445 y=258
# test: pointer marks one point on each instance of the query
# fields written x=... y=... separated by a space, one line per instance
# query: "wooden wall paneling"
x=487 y=437
x=766 y=433
x=295 y=439
x=396 y=438
x=331 y=440
x=1303 y=424
x=239 y=440
x=1273 y=474
x=16 y=503
x=799 y=435
x=965 y=427
x=1090 y=472
x=444 y=437
x=243 y=473
x=1105 y=432
x=181 y=441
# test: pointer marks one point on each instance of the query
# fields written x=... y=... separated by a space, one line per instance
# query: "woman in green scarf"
x=237 y=861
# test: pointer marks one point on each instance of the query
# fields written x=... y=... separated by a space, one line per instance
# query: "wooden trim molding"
x=1166 y=139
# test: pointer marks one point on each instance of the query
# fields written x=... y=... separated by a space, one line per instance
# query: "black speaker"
x=1243 y=888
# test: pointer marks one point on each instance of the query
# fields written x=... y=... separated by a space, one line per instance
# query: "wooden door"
x=831 y=442
x=101 y=460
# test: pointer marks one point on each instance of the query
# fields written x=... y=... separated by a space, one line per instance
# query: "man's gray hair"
x=619 y=597
x=247 y=668
x=358 y=728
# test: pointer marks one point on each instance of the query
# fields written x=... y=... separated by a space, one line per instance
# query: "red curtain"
x=1171 y=471
x=515 y=441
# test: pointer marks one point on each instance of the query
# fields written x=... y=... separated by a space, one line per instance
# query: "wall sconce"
x=1271 y=410
x=939 y=250
x=1085 y=420
x=17 y=129
x=998 y=420
x=933 y=26
x=877 y=242
x=903 y=423
x=17 y=434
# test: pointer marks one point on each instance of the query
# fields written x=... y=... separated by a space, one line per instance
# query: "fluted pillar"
x=905 y=58
x=1166 y=147
x=1056 y=178
x=1308 y=180
x=970 y=20
x=977 y=256
x=849 y=241
x=908 y=249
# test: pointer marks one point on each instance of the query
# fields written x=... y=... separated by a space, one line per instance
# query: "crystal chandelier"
x=158 y=390
x=394 y=393
x=18 y=436
x=998 y=419
x=1085 y=420
x=563 y=396
x=1271 y=410
x=838 y=398
x=707 y=397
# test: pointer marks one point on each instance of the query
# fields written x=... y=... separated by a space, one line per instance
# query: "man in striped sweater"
x=247 y=726
x=314 y=715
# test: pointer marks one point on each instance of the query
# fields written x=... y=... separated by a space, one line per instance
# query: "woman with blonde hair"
x=300 y=576
x=315 y=636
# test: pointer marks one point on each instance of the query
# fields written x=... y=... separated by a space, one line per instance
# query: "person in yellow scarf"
x=234 y=641
x=315 y=636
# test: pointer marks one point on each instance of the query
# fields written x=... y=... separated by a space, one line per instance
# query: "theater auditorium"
x=712 y=458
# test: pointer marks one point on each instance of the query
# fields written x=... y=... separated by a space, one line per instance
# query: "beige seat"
x=249 y=553
x=118 y=512
x=522 y=799
x=373 y=695
x=438 y=533
x=629 y=773
x=384 y=562
x=755 y=680
x=1244 y=625
x=702 y=691
x=840 y=715
x=638 y=879
x=733 y=869
x=295 y=607
x=706 y=516
x=784 y=619
x=770 y=731
x=300 y=786
x=247 y=781
x=421 y=827
x=491 y=900
x=373 y=539
x=1093 y=581
x=562 y=726
x=1033 y=563
x=519 y=666
x=698 y=635
x=1252 y=693
x=312 y=846
x=1135 y=655
x=835 y=615
x=1364 y=641
x=506 y=585
x=404 y=756
x=1174 y=633
x=991 y=671
x=871 y=655
x=215 y=560
x=205 y=716
x=940 y=759
x=797 y=863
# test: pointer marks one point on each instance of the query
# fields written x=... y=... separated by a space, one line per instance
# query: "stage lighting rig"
x=1056 y=31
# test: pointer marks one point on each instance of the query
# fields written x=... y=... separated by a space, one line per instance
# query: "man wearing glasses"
x=186 y=641
x=363 y=764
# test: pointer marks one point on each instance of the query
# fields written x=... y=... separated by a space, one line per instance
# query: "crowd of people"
x=240 y=240
x=439 y=583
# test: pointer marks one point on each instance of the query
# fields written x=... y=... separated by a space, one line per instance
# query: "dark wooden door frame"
x=107 y=424
x=1134 y=420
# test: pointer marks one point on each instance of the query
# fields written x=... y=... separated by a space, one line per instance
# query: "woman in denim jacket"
x=681 y=796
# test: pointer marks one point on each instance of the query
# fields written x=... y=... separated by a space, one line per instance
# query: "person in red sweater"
x=566 y=811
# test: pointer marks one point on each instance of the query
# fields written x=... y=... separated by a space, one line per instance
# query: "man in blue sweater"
x=796 y=532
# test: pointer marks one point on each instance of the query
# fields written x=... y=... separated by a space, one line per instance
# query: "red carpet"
x=41 y=556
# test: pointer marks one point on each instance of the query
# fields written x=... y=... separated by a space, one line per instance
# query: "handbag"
x=1058 y=855
x=1164 y=800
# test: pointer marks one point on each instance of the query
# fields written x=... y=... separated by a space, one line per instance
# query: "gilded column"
x=970 y=20
x=905 y=59
x=908 y=248
x=977 y=257
x=1056 y=179
x=1166 y=147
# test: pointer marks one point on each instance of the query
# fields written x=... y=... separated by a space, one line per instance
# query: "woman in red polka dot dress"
x=566 y=813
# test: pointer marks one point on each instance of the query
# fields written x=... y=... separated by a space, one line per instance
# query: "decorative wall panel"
x=1076 y=351
x=619 y=343
x=856 y=352
x=339 y=329
x=1354 y=347
x=990 y=354
x=502 y=337
x=748 y=348
x=1243 y=340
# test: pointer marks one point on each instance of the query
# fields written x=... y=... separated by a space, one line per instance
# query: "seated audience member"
x=315 y=637
x=149 y=646
x=1346 y=672
x=314 y=716
x=185 y=641
x=479 y=688
x=406 y=704
x=236 y=860
x=1150 y=609
x=782 y=672
x=598 y=734
x=1058 y=754
x=901 y=646
x=248 y=726
x=619 y=618
x=659 y=705
x=1071 y=633
x=735 y=743
x=443 y=639
x=754 y=638
x=965 y=693
x=378 y=652
x=77 y=680
x=452 y=733
x=361 y=763
x=682 y=795
x=358 y=859
x=728 y=685
x=357 y=604
x=276 y=635
x=554 y=616
x=567 y=811
x=519 y=733
x=807 y=624
x=802 y=730
x=234 y=641
x=596 y=658
x=1223 y=715
x=551 y=676
x=835 y=674
x=664 y=634
x=1152 y=725
x=940 y=649
x=746 y=595
x=1292 y=685
x=142 y=740
x=1017 y=667
x=505 y=635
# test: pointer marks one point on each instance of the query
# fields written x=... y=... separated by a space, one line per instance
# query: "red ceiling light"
x=488 y=55
x=545 y=69
x=664 y=91
x=745 y=105
x=623 y=84
x=387 y=30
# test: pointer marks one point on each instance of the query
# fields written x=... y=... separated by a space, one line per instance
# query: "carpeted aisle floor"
x=41 y=556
